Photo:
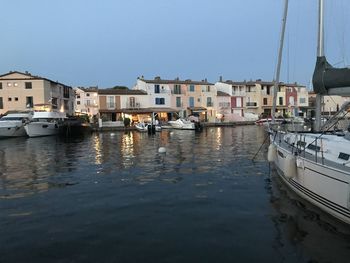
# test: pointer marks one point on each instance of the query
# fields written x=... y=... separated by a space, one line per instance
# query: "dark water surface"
x=111 y=197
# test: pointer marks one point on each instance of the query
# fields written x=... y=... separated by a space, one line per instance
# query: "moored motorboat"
x=144 y=127
x=12 y=124
x=182 y=124
x=44 y=123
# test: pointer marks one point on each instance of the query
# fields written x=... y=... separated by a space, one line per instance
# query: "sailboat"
x=315 y=164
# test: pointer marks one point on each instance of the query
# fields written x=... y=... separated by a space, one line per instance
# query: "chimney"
x=220 y=79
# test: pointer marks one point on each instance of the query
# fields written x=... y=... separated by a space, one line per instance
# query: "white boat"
x=12 y=124
x=44 y=123
x=143 y=127
x=182 y=124
x=316 y=164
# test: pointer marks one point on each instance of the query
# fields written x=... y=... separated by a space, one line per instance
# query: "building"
x=23 y=91
x=117 y=104
x=256 y=98
x=180 y=98
x=86 y=101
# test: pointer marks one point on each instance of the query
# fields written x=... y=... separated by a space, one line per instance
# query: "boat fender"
x=162 y=150
x=300 y=163
x=272 y=153
x=290 y=166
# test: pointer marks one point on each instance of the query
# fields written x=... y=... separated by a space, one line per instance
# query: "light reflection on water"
x=112 y=197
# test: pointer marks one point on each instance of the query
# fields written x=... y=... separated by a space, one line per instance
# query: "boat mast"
x=278 y=67
x=320 y=53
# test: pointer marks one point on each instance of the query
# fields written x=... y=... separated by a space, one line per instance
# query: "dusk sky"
x=112 y=42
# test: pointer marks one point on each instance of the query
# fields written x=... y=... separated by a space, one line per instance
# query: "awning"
x=139 y=110
x=197 y=109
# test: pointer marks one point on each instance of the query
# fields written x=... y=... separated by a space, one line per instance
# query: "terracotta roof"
x=158 y=80
x=29 y=77
x=121 y=92
x=261 y=82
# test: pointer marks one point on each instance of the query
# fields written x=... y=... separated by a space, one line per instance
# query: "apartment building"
x=86 y=101
x=185 y=97
x=24 y=91
x=116 y=104
x=256 y=97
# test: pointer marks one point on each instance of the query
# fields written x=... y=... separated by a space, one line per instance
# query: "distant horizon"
x=108 y=43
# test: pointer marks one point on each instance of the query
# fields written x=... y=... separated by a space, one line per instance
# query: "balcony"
x=210 y=104
x=135 y=105
x=251 y=104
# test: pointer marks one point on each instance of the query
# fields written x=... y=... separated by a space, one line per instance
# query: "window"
x=87 y=94
x=78 y=102
x=265 y=101
x=199 y=99
x=110 y=102
x=160 y=101
x=66 y=92
x=54 y=103
x=0 y=85
x=15 y=84
x=177 y=89
x=88 y=102
x=16 y=98
x=344 y=156
x=192 y=88
x=78 y=96
x=28 y=85
x=9 y=84
x=1 y=104
x=280 y=100
x=302 y=100
x=29 y=102
x=208 y=89
x=178 y=101
x=132 y=102
x=251 y=89
x=209 y=102
x=191 y=101
x=9 y=99
x=66 y=107
x=156 y=88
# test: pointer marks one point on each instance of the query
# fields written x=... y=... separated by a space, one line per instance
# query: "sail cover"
x=328 y=80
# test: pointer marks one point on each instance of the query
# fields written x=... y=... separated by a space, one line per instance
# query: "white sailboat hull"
x=322 y=185
x=36 y=129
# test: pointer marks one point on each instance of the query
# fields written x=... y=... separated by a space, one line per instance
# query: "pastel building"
x=256 y=97
x=181 y=98
x=86 y=101
x=23 y=91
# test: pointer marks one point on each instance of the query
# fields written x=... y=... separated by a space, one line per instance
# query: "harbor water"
x=112 y=197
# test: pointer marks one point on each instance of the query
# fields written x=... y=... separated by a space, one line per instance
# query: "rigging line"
x=267 y=136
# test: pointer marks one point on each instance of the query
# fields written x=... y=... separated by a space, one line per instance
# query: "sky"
x=106 y=43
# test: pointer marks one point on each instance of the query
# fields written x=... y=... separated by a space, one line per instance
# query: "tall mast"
x=320 y=53
x=278 y=68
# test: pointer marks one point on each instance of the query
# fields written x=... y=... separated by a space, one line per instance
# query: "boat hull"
x=36 y=129
x=323 y=186
x=12 y=131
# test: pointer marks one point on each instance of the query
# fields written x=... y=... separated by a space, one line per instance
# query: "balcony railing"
x=252 y=104
x=135 y=105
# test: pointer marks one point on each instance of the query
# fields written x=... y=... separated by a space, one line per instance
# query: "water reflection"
x=315 y=235
x=111 y=194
